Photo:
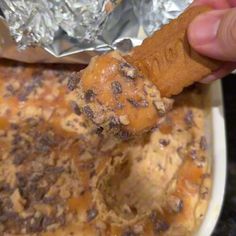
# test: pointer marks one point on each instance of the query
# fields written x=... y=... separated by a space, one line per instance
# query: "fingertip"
x=203 y=29
x=210 y=34
x=209 y=79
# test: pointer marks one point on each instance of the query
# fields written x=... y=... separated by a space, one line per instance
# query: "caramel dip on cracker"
x=127 y=95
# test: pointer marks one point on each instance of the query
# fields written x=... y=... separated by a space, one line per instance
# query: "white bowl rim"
x=219 y=161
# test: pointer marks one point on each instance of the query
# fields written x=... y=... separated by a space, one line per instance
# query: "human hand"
x=214 y=35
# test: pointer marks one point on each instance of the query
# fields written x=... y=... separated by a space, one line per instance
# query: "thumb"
x=214 y=34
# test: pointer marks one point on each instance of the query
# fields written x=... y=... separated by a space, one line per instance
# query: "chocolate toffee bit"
x=128 y=71
x=19 y=157
x=92 y=174
x=3 y=218
x=21 y=179
x=16 y=140
x=114 y=122
x=124 y=45
x=75 y=108
x=88 y=112
x=54 y=169
x=31 y=193
x=175 y=204
x=143 y=103
x=200 y=161
x=124 y=135
x=91 y=214
x=99 y=130
x=40 y=193
x=86 y=165
x=4 y=187
x=116 y=87
x=61 y=219
x=47 y=221
x=206 y=175
x=193 y=154
x=45 y=142
x=203 y=143
x=29 y=87
x=149 y=89
x=89 y=95
x=34 y=225
x=119 y=106
x=129 y=232
x=138 y=104
x=14 y=126
x=10 y=89
x=61 y=75
x=73 y=80
x=49 y=200
x=36 y=176
x=133 y=102
x=188 y=118
x=153 y=216
x=32 y=122
x=204 y=192
x=160 y=226
x=9 y=216
x=164 y=142
x=37 y=74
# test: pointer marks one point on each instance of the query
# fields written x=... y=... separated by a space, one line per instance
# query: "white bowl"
x=216 y=126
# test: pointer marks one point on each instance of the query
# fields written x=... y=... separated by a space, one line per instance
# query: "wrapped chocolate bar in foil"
x=72 y=31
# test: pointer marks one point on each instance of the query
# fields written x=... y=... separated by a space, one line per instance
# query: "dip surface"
x=59 y=177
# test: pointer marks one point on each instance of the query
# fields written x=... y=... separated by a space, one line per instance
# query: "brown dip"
x=59 y=177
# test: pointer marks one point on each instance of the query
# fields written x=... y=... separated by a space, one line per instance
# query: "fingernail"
x=209 y=79
x=203 y=30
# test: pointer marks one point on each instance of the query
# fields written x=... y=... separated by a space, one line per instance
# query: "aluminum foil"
x=73 y=31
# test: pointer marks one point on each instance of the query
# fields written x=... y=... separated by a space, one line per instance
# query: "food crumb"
x=91 y=214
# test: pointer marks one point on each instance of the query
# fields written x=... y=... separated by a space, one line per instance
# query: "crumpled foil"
x=72 y=31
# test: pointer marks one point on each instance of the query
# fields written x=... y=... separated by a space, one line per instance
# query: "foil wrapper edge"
x=125 y=27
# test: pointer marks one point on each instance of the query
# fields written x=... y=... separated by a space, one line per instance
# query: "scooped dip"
x=116 y=98
x=58 y=176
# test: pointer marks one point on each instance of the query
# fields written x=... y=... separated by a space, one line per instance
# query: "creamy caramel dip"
x=60 y=177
